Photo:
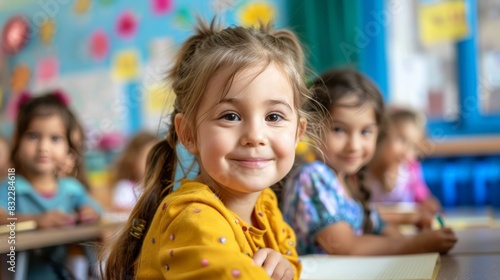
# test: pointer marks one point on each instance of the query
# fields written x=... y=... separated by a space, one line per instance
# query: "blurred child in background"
x=129 y=170
x=395 y=174
x=4 y=157
x=327 y=203
x=42 y=142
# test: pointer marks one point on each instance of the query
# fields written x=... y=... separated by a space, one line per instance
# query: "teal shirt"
x=70 y=196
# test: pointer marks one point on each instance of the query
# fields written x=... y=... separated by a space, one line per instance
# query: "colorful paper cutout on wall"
x=444 y=21
x=254 y=13
x=161 y=7
x=126 y=25
x=159 y=98
x=15 y=34
x=47 y=69
x=20 y=78
x=99 y=45
x=126 y=65
x=82 y=6
x=47 y=31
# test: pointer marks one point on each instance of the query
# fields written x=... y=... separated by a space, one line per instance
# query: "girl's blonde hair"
x=206 y=53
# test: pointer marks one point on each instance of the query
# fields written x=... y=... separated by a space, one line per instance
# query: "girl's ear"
x=185 y=133
x=300 y=130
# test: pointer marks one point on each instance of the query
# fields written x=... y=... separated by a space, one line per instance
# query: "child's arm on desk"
x=87 y=214
x=339 y=239
x=87 y=210
x=45 y=220
x=391 y=230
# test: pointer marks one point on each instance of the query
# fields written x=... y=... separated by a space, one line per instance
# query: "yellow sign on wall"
x=126 y=65
x=160 y=98
x=443 y=22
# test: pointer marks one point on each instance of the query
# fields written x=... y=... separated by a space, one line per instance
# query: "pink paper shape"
x=126 y=25
x=161 y=7
x=47 y=69
x=99 y=45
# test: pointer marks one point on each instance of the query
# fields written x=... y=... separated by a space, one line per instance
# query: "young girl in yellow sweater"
x=238 y=97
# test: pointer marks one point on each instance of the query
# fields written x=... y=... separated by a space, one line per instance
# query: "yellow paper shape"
x=47 y=31
x=20 y=78
x=126 y=65
x=159 y=98
x=443 y=22
x=82 y=6
x=255 y=13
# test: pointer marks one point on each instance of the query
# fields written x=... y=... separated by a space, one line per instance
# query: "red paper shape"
x=126 y=25
x=47 y=69
x=99 y=45
x=161 y=7
x=15 y=34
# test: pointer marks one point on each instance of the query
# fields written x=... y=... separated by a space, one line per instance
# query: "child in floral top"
x=323 y=201
x=327 y=203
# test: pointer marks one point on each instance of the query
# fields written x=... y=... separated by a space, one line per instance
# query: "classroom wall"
x=110 y=56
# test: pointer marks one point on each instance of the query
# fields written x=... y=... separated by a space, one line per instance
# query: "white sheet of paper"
x=417 y=266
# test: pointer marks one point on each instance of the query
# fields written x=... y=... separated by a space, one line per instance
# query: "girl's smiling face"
x=351 y=142
x=402 y=143
x=245 y=142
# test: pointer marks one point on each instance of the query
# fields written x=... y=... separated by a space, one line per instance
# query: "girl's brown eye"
x=274 y=118
x=231 y=117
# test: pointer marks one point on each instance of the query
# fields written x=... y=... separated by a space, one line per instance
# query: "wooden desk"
x=48 y=237
x=475 y=256
x=477 y=241
x=486 y=145
x=469 y=267
x=27 y=240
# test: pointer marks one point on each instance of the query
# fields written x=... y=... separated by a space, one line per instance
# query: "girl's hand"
x=275 y=264
x=54 y=219
x=441 y=240
x=424 y=220
x=87 y=214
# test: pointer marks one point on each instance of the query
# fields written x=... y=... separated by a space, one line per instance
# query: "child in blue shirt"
x=41 y=145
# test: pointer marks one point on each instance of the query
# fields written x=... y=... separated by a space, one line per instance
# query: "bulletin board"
x=110 y=56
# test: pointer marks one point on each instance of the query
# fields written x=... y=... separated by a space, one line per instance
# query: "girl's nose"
x=253 y=134
x=43 y=145
x=353 y=142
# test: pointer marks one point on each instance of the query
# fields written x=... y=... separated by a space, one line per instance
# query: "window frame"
x=470 y=120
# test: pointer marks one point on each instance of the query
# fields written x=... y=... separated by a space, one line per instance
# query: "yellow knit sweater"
x=194 y=236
